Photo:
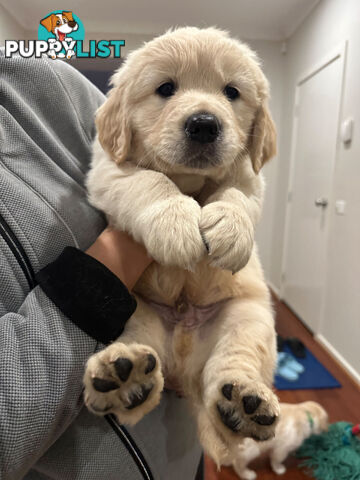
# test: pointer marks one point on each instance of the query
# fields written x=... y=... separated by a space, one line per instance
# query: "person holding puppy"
x=45 y=432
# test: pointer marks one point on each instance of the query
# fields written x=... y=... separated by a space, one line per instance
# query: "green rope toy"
x=334 y=455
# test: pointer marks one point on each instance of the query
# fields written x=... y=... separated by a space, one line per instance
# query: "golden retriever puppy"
x=181 y=140
x=297 y=422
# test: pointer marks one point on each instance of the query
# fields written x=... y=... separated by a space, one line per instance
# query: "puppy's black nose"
x=202 y=127
x=72 y=23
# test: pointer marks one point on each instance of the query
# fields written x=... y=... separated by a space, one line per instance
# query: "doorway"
x=314 y=149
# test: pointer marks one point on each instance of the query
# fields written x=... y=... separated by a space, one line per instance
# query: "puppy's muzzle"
x=72 y=23
x=202 y=127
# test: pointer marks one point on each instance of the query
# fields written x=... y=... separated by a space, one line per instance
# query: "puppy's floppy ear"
x=262 y=138
x=112 y=122
x=68 y=16
x=47 y=22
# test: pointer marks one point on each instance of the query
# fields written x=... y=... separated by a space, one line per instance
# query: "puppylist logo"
x=61 y=35
x=61 y=30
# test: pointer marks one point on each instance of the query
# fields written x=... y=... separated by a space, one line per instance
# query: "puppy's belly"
x=204 y=286
x=187 y=352
x=192 y=332
x=190 y=335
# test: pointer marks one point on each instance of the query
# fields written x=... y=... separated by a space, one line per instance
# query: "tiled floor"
x=341 y=404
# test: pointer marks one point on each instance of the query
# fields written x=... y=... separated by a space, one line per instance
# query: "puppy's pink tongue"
x=61 y=36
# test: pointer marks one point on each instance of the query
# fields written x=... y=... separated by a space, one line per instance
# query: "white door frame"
x=338 y=52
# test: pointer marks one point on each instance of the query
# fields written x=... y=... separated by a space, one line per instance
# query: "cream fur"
x=291 y=431
x=140 y=179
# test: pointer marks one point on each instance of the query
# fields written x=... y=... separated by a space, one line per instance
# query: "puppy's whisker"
x=146 y=161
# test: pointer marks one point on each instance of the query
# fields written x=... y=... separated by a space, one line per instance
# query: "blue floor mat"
x=315 y=375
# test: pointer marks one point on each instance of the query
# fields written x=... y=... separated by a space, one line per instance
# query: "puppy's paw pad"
x=227 y=390
x=138 y=397
x=230 y=418
x=151 y=363
x=251 y=403
x=123 y=367
x=264 y=419
x=123 y=379
x=103 y=385
x=248 y=410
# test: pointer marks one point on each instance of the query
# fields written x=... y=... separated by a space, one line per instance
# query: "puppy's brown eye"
x=231 y=92
x=166 y=89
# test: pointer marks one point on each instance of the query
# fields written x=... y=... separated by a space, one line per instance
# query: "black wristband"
x=89 y=294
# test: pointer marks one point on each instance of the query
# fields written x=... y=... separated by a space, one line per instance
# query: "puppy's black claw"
x=227 y=390
x=102 y=385
x=229 y=418
x=151 y=363
x=205 y=242
x=139 y=398
x=123 y=367
x=251 y=403
x=264 y=419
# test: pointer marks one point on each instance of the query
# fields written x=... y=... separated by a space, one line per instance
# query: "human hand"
x=123 y=256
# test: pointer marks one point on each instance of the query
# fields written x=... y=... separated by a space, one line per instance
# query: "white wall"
x=330 y=23
x=9 y=28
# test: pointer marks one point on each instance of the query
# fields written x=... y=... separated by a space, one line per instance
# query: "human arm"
x=42 y=353
x=123 y=256
x=43 y=159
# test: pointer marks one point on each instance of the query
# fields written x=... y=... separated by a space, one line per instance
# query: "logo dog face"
x=60 y=24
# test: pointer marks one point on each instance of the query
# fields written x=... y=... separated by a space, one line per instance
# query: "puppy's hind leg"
x=245 y=473
x=244 y=454
x=277 y=457
x=237 y=377
x=126 y=377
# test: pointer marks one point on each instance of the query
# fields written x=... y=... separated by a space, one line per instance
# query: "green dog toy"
x=334 y=455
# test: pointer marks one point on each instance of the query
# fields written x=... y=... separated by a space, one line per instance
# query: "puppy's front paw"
x=171 y=232
x=125 y=380
x=246 y=409
x=228 y=234
x=278 y=468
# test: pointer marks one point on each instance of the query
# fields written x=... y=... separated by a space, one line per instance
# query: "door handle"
x=321 y=202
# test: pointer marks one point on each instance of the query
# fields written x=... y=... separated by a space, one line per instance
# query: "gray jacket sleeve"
x=42 y=357
x=46 y=128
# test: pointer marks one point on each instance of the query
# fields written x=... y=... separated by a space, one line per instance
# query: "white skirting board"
x=276 y=290
x=322 y=340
